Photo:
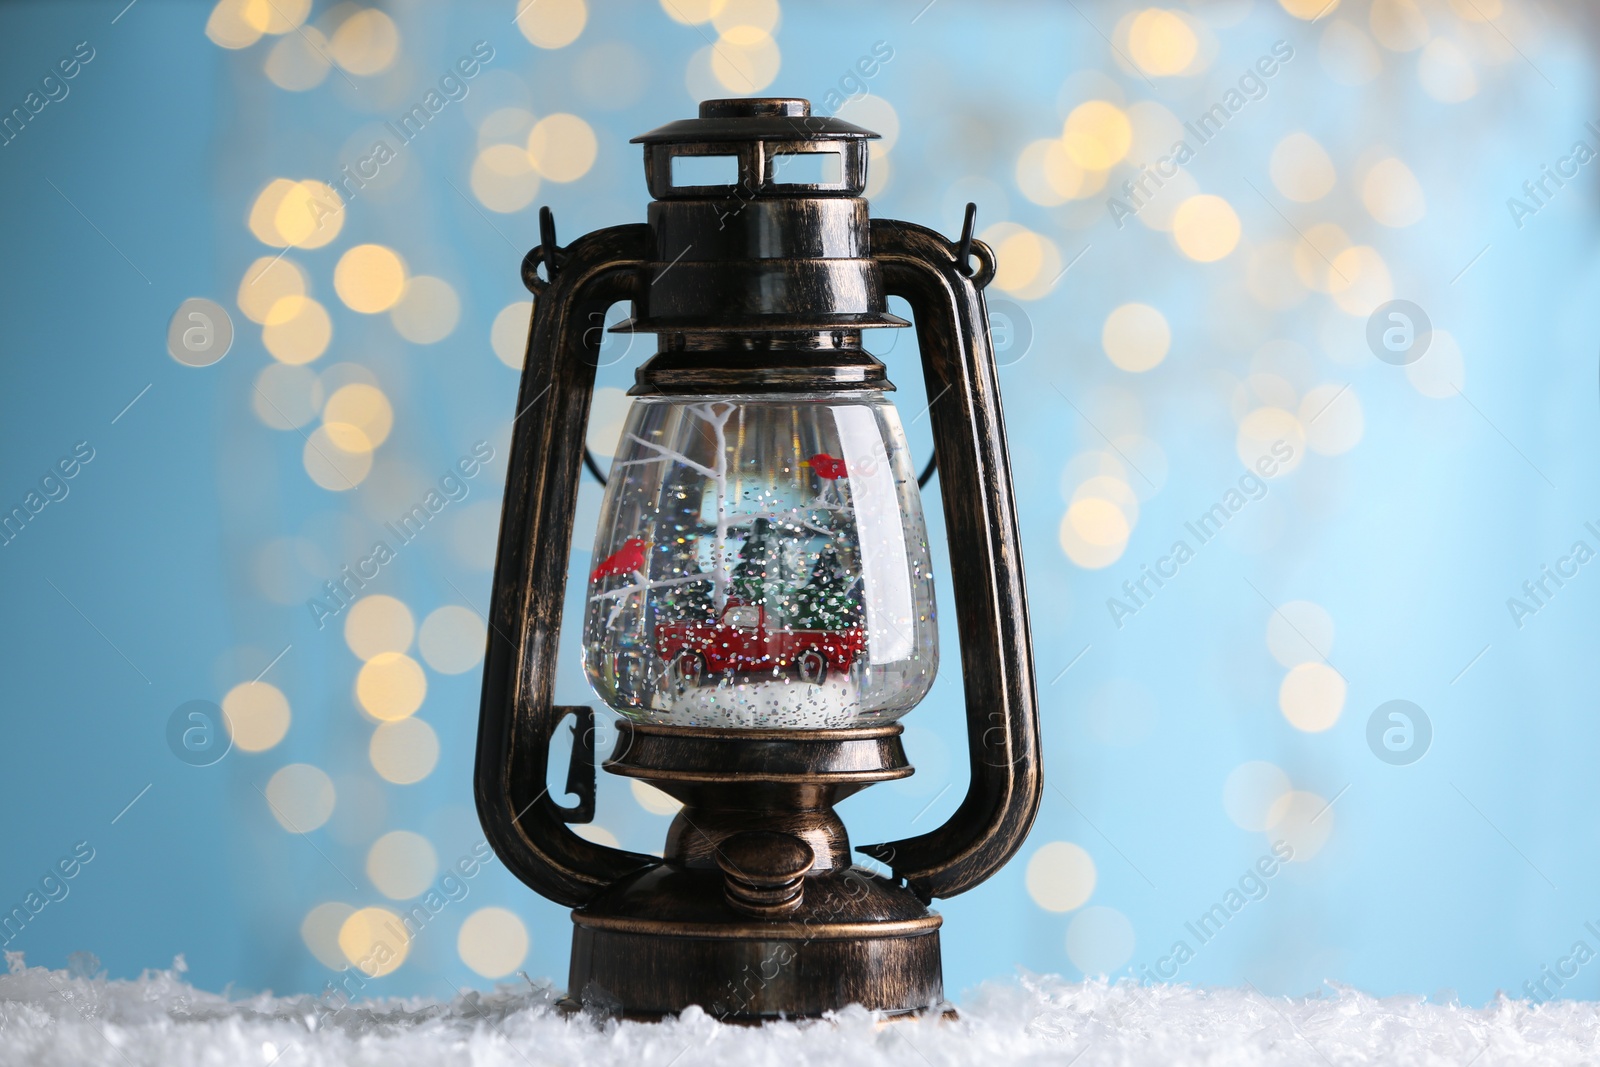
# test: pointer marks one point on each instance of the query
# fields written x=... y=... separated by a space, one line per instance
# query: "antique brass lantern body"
x=760 y=606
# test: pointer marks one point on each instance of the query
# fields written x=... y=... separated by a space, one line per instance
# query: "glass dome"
x=761 y=562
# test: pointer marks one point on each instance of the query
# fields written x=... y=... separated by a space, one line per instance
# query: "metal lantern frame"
x=756 y=909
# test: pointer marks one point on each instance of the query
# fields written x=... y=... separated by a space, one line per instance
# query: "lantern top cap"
x=754 y=119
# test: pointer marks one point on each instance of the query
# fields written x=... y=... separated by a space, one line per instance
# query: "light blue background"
x=1465 y=872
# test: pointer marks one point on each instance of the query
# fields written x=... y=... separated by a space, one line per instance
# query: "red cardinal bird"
x=625 y=560
x=827 y=467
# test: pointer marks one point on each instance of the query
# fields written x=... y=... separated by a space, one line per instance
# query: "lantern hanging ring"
x=546 y=252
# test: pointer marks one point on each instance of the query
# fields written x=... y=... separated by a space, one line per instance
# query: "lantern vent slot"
x=704 y=171
x=807 y=169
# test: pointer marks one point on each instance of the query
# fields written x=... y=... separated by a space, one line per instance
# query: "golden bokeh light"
x=762 y=15
x=1047 y=174
x=320 y=931
x=1135 y=337
x=1113 y=490
x=1099 y=521
x=299 y=62
x=401 y=864
x=264 y=212
x=1399 y=25
x=1027 y=262
x=551 y=23
x=363 y=407
x=275 y=16
x=374 y=941
x=286 y=397
x=493 y=942
x=1060 y=876
x=298 y=330
x=504 y=178
x=745 y=60
x=505 y=125
x=1250 y=793
x=652 y=799
x=1312 y=696
x=427 y=312
x=1333 y=419
x=562 y=147
x=1301 y=168
x=1093 y=533
x=1362 y=281
x=1303 y=821
x=1097 y=135
x=391 y=685
x=452 y=639
x=258 y=715
x=404 y=752
x=370 y=278
x=1205 y=228
x=309 y=215
x=1162 y=42
x=1392 y=195
x=597 y=833
x=509 y=334
x=1309 y=9
x=378 y=624
x=300 y=797
x=228 y=27
x=366 y=43
x=266 y=282
x=1265 y=434
x=1314 y=255
x=337 y=458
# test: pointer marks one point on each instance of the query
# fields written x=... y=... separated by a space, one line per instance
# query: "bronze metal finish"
x=755 y=910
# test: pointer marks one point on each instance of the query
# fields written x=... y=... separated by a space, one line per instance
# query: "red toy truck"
x=741 y=641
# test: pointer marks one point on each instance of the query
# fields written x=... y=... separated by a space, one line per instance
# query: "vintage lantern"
x=760 y=609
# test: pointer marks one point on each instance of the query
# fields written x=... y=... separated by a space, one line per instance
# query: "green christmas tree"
x=751 y=573
x=830 y=600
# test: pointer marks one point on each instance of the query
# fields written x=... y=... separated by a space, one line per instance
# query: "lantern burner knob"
x=764 y=872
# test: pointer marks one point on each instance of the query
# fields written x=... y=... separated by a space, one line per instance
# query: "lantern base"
x=667 y=939
x=756 y=912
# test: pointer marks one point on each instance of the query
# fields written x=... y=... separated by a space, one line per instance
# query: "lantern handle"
x=992 y=821
x=518 y=719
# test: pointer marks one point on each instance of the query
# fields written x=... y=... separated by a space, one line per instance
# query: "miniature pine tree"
x=829 y=601
x=750 y=574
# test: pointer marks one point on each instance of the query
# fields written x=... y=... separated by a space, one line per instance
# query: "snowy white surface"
x=56 y=1017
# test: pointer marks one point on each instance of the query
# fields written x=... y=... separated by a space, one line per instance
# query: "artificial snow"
x=75 y=1017
x=773 y=705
